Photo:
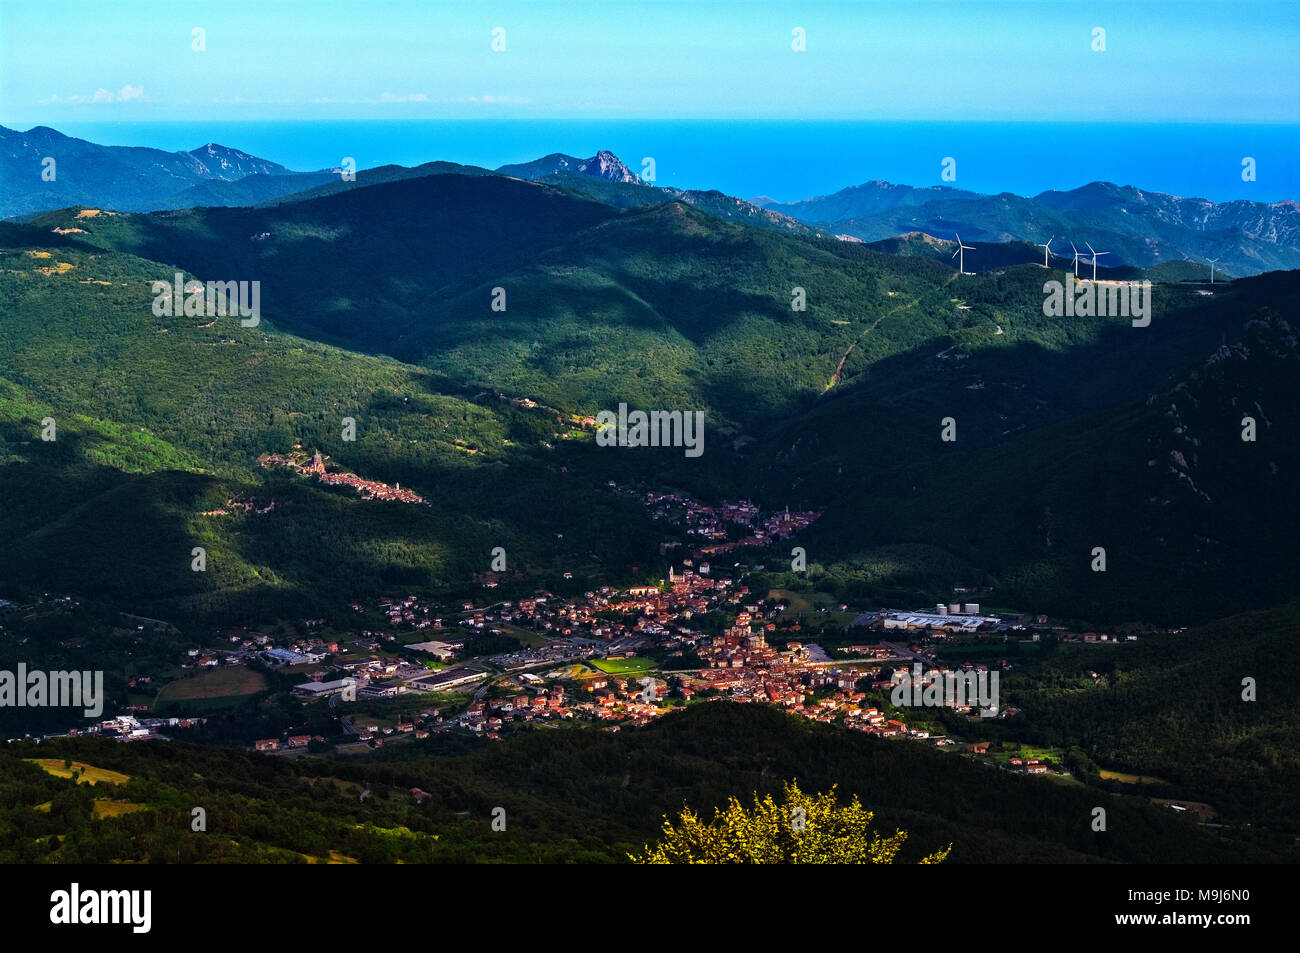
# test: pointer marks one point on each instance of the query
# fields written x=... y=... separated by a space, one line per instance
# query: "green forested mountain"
x=375 y=176
x=834 y=406
x=160 y=421
x=250 y=190
x=633 y=194
x=1070 y=436
x=1180 y=709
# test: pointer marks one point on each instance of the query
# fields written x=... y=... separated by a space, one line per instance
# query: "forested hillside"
x=824 y=368
x=567 y=796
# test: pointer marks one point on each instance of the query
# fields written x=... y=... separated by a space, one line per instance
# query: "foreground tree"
x=806 y=829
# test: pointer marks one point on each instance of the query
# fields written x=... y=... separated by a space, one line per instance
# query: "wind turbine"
x=1212 y=261
x=1095 y=255
x=961 y=261
x=1046 y=248
x=1076 y=260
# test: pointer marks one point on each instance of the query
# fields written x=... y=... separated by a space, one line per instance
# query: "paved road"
x=344 y=721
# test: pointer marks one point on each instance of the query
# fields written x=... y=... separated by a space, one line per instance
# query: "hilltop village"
x=313 y=465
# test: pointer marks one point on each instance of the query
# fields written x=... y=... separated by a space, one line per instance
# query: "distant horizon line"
x=763 y=196
x=711 y=119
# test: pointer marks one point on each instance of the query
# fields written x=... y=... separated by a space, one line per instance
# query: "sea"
x=787 y=160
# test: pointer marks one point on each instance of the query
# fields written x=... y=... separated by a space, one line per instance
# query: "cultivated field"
x=89 y=774
x=233 y=681
x=1130 y=778
x=106 y=808
x=624 y=666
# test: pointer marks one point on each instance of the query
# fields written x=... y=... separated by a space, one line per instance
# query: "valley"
x=421 y=564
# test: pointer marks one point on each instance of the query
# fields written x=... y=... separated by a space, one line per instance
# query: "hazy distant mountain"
x=230 y=164
x=606 y=178
x=857 y=201
x=1136 y=227
x=138 y=179
x=603 y=165
x=126 y=178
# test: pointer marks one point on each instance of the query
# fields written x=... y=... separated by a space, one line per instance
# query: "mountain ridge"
x=1138 y=227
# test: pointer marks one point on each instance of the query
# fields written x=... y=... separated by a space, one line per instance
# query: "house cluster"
x=488 y=717
x=305 y=466
x=131 y=728
x=1099 y=637
x=1028 y=765
x=879 y=651
x=249 y=505
x=741 y=647
x=827 y=695
x=958 y=690
x=408 y=613
x=603 y=615
x=629 y=700
x=377 y=676
x=288 y=742
x=249 y=645
x=719 y=524
x=542 y=655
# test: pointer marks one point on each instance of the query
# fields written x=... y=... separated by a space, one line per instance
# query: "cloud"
x=126 y=94
x=510 y=100
x=419 y=98
x=370 y=100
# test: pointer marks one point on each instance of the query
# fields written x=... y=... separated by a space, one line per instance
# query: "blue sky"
x=131 y=60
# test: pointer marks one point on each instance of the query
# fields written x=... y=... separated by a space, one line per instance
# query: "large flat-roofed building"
x=439 y=650
x=322 y=689
x=919 y=620
x=383 y=689
x=285 y=657
x=446 y=680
